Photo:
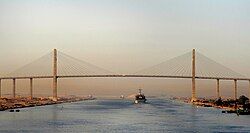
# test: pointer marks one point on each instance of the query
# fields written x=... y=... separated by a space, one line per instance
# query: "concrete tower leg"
x=235 y=89
x=218 y=88
x=31 y=88
x=193 y=77
x=249 y=89
x=0 y=88
x=14 y=88
x=55 y=75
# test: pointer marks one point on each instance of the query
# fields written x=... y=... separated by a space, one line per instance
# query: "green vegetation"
x=243 y=102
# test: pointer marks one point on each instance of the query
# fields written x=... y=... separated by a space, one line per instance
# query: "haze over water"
x=124 y=37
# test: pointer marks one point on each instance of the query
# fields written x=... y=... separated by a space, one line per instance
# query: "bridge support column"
x=218 y=88
x=0 y=88
x=55 y=75
x=193 y=77
x=235 y=89
x=31 y=88
x=249 y=90
x=14 y=88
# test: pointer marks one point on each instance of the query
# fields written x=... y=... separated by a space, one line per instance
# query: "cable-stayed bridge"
x=192 y=65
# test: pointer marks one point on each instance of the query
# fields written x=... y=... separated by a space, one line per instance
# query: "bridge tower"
x=55 y=75
x=193 y=77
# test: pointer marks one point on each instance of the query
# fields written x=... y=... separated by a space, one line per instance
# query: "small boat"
x=243 y=112
x=122 y=97
x=140 y=98
x=229 y=111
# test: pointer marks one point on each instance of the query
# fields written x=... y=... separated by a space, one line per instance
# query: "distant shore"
x=24 y=102
x=206 y=103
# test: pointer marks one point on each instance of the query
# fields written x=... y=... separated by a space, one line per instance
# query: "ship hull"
x=140 y=101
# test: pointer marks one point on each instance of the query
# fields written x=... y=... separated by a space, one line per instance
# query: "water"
x=159 y=115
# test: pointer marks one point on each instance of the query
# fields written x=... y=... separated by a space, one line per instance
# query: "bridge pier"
x=249 y=90
x=218 y=88
x=31 y=88
x=0 y=88
x=14 y=88
x=193 y=77
x=235 y=89
x=55 y=75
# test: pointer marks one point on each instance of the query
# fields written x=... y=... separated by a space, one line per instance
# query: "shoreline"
x=24 y=102
x=201 y=104
x=205 y=103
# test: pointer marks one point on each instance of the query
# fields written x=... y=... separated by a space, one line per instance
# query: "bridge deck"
x=128 y=76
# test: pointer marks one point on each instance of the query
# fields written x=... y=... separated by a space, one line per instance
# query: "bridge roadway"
x=128 y=76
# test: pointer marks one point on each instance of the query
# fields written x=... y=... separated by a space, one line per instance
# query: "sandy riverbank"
x=23 y=102
x=206 y=103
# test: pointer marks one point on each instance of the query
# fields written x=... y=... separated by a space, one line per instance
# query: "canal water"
x=159 y=115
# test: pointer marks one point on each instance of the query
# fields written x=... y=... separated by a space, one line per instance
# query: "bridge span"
x=180 y=75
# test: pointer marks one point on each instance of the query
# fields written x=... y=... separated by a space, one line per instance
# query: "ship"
x=140 y=98
x=122 y=97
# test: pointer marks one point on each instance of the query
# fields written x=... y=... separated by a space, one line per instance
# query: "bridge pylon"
x=193 y=99
x=55 y=75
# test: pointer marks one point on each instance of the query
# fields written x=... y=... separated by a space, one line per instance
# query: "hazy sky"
x=125 y=35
